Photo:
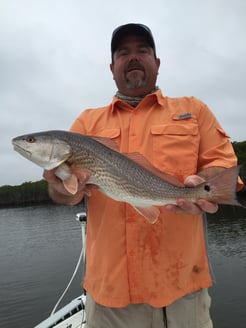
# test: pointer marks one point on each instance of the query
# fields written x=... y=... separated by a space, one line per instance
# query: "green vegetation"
x=28 y=193
x=240 y=150
x=31 y=193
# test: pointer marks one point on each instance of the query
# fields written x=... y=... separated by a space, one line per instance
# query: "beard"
x=135 y=75
x=134 y=80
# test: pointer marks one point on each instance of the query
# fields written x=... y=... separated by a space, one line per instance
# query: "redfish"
x=126 y=178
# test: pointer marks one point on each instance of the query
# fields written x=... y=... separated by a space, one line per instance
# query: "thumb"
x=193 y=180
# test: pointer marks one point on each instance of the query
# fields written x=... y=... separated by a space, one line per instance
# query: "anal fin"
x=151 y=213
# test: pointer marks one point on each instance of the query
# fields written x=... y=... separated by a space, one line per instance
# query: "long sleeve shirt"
x=128 y=259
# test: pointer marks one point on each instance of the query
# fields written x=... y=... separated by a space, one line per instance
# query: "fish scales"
x=118 y=175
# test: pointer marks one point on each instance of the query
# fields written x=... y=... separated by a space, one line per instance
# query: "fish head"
x=43 y=149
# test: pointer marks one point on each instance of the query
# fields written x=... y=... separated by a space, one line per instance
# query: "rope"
x=81 y=218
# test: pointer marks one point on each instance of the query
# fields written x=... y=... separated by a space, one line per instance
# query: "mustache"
x=134 y=64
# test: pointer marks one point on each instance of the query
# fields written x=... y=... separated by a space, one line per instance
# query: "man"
x=138 y=274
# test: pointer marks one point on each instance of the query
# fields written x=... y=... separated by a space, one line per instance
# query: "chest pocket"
x=176 y=147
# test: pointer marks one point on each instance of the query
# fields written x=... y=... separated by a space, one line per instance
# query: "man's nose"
x=133 y=57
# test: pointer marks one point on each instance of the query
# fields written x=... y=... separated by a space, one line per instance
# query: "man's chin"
x=135 y=84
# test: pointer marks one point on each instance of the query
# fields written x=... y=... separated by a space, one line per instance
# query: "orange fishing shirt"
x=128 y=259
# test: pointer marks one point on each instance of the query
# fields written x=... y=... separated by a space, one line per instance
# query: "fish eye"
x=207 y=188
x=30 y=139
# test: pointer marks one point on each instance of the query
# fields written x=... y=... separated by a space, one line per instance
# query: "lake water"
x=40 y=246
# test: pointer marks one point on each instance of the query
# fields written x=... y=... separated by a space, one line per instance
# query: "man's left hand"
x=184 y=206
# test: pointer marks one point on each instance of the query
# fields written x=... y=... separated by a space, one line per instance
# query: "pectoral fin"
x=71 y=184
x=150 y=213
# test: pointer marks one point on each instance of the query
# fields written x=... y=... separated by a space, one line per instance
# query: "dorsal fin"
x=142 y=161
x=107 y=142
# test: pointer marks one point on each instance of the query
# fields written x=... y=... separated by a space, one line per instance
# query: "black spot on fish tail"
x=207 y=187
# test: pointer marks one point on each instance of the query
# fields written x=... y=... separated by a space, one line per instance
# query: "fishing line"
x=81 y=218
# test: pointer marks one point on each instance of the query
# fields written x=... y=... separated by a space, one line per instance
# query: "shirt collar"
x=156 y=96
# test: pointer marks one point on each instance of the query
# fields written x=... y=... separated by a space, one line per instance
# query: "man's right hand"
x=59 y=193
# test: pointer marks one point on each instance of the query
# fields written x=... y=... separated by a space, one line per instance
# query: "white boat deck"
x=70 y=316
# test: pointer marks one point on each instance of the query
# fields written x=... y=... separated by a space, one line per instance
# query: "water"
x=39 y=248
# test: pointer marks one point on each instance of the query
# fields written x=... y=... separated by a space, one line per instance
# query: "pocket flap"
x=109 y=133
x=175 y=129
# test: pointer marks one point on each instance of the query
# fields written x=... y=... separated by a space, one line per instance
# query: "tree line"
x=32 y=193
x=28 y=193
x=240 y=150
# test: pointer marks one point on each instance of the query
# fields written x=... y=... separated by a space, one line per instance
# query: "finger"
x=82 y=183
x=55 y=183
x=193 y=180
x=208 y=207
x=87 y=192
x=83 y=178
x=188 y=207
x=50 y=176
x=184 y=207
x=81 y=174
x=88 y=189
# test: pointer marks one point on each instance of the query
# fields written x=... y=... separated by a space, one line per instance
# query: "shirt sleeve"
x=78 y=126
x=215 y=146
x=83 y=122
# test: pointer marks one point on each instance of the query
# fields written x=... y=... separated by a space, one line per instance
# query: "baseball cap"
x=131 y=29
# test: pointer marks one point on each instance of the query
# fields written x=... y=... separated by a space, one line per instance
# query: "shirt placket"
x=132 y=247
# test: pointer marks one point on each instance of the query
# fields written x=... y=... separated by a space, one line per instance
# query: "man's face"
x=134 y=66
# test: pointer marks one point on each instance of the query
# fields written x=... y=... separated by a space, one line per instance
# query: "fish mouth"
x=21 y=150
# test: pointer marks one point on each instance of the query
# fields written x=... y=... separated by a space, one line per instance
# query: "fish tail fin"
x=223 y=187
